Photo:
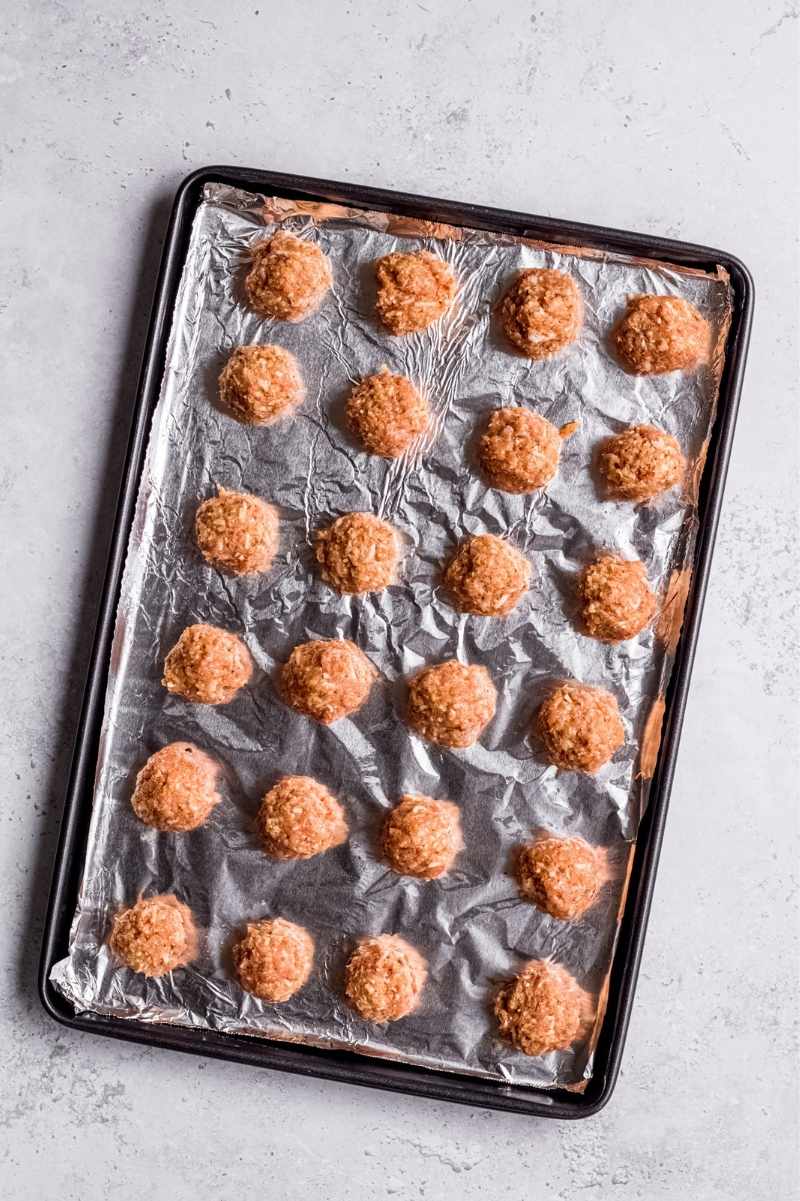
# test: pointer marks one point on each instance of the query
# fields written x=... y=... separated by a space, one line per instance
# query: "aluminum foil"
x=471 y=925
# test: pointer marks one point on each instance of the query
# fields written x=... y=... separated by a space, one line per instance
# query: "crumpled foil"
x=471 y=925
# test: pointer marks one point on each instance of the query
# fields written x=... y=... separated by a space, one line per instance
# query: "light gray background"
x=677 y=119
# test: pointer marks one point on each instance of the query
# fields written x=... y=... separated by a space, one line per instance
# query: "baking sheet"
x=471 y=926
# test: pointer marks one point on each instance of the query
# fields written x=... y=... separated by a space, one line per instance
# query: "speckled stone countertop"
x=625 y=115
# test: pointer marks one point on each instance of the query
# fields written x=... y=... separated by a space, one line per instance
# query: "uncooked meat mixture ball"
x=237 y=532
x=259 y=384
x=326 y=680
x=384 y=978
x=421 y=836
x=273 y=959
x=659 y=334
x=299 y=818
x=487 y=576
x=580 y=727
x=154 y=936
x=541 y=1010
x=640 y=463
x=358 y=553
x=451 y=703
x=541 y=313
x=519 y=450
x=414 y=290
x=616 y=599
x=289 y=277
x=207 y=665
x=177 y=788
x=561 y=875
x=386 y=413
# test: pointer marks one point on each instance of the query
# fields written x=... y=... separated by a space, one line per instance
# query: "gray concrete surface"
x=677 y=119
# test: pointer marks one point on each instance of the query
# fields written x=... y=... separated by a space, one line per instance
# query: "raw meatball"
x=452 y=703
x=259 y=384
x=421 y=836
x=177 y=788
x=641 y=462
x=561 y=875
x=155 y=935
x=299 y=818
x=384 y=978
x=541 y=1010
x=274 y=959
x=616 y=599
x=659 y=334
x=327 y=680
x=207 y=665
x=414 y=290
x=541 y=313
x=288 y=278
x=358 y=553
x=580 y=727
x=236 y=532
x=386 y=413
x=487 y=576
x=519 y=450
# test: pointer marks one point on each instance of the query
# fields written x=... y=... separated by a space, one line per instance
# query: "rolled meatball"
x=237 y=533
x=288 y=279
x=177 y=788
x=640 y=463
x=659 y=334
x=421 y=836
x=561 y=875
x=299 y=818
x=273 y=959
x=616 y=599
x=580 y=727
x=207 y=665
x=385 y=413
x=327 y=680
x=451 y=703
x=358 y=553
x=519 y=450
x=487 y=576
x=414 y=290
x=155 y=936
x=541 y=312
x=541 y=1010
x=384 y=978
x=260 y=384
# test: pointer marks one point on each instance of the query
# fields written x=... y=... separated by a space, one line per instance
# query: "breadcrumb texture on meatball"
x=289 y=277
x=273 y=959
x=562 y=876
x=177 y=788
x=541 y=1010
x=487 y=576
x=384 y=978
x=541 y=312
x=616 y=600
x=519 y=450
x=207 y=665
x=327 y=680
x=260 y=384
x=358 y=553
x=580 y=727
x=422 y=836
x=641 y=462
x=659 y=334
x=300 y=818
x=414 y=290
x=154 y=936
x=385 y=413
x=237 y=532
x=451 y=703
